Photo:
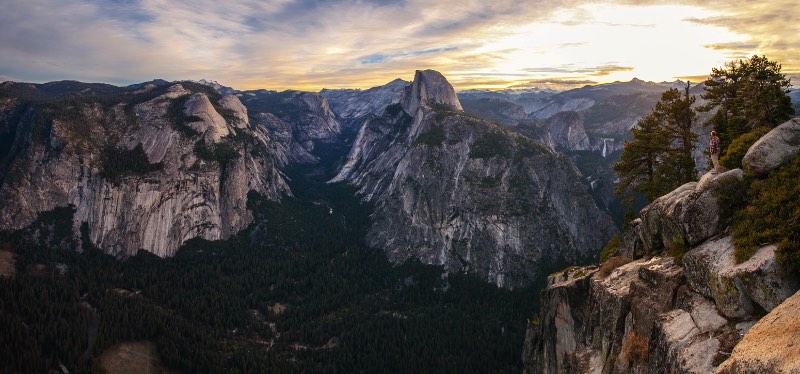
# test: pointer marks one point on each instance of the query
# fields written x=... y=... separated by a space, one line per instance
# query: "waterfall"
x=606 y=150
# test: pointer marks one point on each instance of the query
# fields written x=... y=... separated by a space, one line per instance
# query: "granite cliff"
x=673 y=299
x=458 y=191
x=145 y=167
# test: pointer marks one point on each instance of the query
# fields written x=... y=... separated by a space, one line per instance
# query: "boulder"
x=712 y=271
x=774 y=149
x=684 y=217
x=632 y=242
x=660 y=227
x=704 y=314
x=772 y=345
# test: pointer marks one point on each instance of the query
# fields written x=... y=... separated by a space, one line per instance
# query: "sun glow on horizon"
x=311 y=45
x=606 y=43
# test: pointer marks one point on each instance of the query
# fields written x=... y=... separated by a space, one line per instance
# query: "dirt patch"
x=133 y=358
x=7 y=264
x=277 y=308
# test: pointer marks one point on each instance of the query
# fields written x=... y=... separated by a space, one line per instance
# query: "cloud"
x=562 y=81
x=554 y=82
x=693 y=78
x=252 y=43
x=742 y=46
x=770 y=28
x=595 y=71
x=311 y=44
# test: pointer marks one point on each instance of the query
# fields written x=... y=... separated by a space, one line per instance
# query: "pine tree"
x=658 y=158
x=747 y=94
x=640 y=158
x=678 y=118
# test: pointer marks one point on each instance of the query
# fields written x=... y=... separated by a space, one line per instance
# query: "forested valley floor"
x=298 y=291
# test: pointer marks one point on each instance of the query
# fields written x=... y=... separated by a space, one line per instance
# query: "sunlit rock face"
x=457 y=191
x=771 y=345
x=156 y=208
x=777 y=147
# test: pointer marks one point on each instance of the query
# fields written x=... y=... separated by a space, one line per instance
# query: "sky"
x=315 y=44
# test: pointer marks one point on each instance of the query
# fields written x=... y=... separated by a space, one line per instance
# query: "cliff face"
x=645 y=312
x=145 y=169
x=461 y=192
x=354 y=104
x=297 y=120
x=567 y=131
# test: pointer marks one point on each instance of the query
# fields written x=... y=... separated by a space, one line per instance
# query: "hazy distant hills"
x=795 y=95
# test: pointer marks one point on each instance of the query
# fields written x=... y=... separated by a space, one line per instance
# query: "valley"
x=389 y=229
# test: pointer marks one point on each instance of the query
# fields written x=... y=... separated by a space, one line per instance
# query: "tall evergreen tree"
x=678 y=118
x=658 y=158
x=641 y=157
x=747 y=94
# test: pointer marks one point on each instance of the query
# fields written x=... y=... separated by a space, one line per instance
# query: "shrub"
x=228 y=114
x=772 y=215
x=434 y=137
x=612 y=263
x=677 y=250
x=221 y=152
x=121 y=162
x=739 y=146
x=527 y=147
x=634 y=349
x=610 y=249
x=180 y=121
x=732 y=197
x=493 y=143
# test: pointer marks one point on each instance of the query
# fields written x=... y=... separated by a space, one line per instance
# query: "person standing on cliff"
x=713 y=148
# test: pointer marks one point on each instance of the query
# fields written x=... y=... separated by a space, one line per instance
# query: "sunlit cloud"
x=595 y=71
x=556 y=84
x=310 y=44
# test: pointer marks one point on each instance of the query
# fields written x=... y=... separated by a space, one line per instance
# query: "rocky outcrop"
x=654 y=315
x=774 y=149
x=568 y=133
x=126 y=204
x=684 y=217
x=453 y=190
x=641 y=318
x=737 y=288
x=772 y=345
x=567 y=289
